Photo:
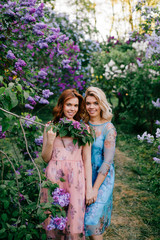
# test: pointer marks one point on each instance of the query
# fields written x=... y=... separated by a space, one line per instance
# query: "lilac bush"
x=153 y=139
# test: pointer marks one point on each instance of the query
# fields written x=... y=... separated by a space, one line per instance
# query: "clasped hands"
x=91 y=196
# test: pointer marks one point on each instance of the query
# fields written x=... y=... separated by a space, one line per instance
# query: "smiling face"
x=92 y=106
x=70 y=108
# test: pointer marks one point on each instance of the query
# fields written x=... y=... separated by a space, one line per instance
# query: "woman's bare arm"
x=48 y=139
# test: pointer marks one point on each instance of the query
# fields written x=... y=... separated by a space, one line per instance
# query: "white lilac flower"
x=111 y=63
x=157 y=160
x=114 y=68
x=158 y=133
x=157 y=122
x=157 y=103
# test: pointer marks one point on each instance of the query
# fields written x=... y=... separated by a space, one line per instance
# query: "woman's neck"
x=96 y=120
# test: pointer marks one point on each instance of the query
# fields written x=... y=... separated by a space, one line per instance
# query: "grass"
x=136 y=211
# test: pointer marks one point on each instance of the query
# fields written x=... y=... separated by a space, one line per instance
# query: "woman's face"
x=92 y=106
x=70 y=108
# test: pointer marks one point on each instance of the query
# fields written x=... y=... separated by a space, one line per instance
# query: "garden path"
x=126 y=224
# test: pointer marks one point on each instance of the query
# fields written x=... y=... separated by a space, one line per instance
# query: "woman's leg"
x=96 y=237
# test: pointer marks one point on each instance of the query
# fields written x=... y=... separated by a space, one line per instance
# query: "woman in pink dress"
x=70 y=162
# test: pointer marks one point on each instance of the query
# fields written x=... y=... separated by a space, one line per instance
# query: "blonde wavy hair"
x=106 y=111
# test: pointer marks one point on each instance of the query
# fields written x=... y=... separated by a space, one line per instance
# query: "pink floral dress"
x=66 y=162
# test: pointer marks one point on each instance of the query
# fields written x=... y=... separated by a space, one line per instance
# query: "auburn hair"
x=66 y=95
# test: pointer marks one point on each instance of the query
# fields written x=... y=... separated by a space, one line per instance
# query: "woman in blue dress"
x=99 y=115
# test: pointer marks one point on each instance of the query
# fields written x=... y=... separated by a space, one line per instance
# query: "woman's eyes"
x=68 y=105
x=95 y=103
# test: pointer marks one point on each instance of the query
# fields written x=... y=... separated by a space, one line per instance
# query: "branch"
x=20 y=117
x=31 y=159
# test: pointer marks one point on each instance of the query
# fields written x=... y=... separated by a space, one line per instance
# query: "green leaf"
x=43 y=236
x=2 y=89
x=11 y=84
x=12 y=96
x=2 y=230
x=6 y=204
x=1 y=78
x=19 y=87
x=4 y=217
x=28 y=236
x=26 y=94
x=62 y=179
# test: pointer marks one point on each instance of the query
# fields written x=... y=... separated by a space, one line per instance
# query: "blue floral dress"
x=98 y=214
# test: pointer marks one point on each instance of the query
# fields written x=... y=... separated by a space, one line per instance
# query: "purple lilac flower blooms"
x=21 y=197
x=19 y=64
x=29 y=122
x=76 y=124
x=39 y=26
x=42 y=74
x=46 y=93
x=63 y=38
x=28 y=18
x=30 y=46
x=61 y=197
x=65 y=63
x=10 y=13
x=157 y=160
x=57 y=223
x=31 y=100
x=36 y=154
x=39 y=11
x=27 y=3
x=18 y=173
x=157 y=103
x=32 y=10
x=43 y=101
x=139 y=63
x=10 y=55
x=52 y=38
x=30 y=172
x=29 y=106
x=38 y=32
x=39 y=140
x=36 y=98
x=2 y=134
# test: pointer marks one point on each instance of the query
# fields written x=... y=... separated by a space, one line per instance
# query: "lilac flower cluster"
x=46 y=93
x=76 y=125
x=21 y=197
x=146 y=136
x=157 y=103
x=29 y=122
x=19 y=64
x=10 y=55
x=2 y=134
x=30 y=172
x=39 y=140
x=57 y=223
x=42 y=74
x=61 y=197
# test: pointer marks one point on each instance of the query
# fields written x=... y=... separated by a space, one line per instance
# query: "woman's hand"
x=94 y=194
x=51 y=136
x=89 y=197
